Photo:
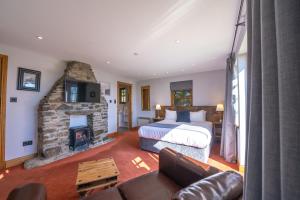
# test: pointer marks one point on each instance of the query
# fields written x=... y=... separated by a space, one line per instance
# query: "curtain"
x=273 y=100
x=228 y=139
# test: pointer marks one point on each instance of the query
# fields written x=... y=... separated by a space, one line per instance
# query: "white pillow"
x=198 y=116
x=171 y=115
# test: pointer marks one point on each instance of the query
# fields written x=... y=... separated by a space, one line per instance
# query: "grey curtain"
x=228 y=139
x=273 y=100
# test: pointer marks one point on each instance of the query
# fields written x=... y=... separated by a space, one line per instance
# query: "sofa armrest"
x=182 y=170
x=224 y=185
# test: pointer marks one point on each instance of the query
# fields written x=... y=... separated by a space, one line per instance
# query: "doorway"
x=3 y=79
x=124 y=107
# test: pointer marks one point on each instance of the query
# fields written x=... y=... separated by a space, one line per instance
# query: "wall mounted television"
x=79 y=91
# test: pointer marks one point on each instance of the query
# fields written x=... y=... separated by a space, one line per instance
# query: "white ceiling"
x=96 y=31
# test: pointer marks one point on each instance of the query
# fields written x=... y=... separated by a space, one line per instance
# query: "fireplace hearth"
x=80 y=138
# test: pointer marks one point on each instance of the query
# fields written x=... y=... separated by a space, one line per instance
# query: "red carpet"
x=59 y=177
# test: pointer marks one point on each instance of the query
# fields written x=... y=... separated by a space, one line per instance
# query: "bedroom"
x=145 y=99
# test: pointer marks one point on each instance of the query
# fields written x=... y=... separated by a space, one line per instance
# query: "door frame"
x=119 y=83
x=3 y=84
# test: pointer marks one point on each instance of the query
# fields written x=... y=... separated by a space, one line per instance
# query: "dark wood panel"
x=211 y=114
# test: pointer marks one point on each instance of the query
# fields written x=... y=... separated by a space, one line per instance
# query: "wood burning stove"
x=79 y=137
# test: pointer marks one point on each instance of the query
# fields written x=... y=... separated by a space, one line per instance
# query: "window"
x=235 y=93
x=123 y=95
x=239 y=91
x=145 y=97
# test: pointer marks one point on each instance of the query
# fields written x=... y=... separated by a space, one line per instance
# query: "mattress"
x=195 y=134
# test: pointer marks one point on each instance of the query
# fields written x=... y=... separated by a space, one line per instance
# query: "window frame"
x=123 y=96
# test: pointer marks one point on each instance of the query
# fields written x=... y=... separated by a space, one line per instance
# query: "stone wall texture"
x=54 y=113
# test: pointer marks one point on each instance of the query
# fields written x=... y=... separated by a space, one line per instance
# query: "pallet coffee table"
x=96 y=174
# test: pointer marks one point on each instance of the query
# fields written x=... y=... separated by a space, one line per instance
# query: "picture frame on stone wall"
x=28 y=79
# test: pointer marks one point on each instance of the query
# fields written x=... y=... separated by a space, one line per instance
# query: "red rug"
x=59 y=177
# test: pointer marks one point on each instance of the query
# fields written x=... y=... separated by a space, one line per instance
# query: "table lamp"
x=157 y=109
x=220 y=109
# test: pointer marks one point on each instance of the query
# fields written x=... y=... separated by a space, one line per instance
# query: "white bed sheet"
x=195 y=134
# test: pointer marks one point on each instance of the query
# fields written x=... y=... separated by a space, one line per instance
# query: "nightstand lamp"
x=220 y=109
x=157 y=109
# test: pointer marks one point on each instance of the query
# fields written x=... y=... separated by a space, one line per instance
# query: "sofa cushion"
x=111 y=193
x=222 y=186
x=180 y=169
x=150 y=186
x=32 y=191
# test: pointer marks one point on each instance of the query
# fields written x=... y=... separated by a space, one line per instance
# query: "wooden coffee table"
x=96 y=174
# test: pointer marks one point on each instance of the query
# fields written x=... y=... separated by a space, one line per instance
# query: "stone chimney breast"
x=54 y=113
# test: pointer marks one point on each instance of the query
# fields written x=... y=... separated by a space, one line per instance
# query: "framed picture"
x=28 y=79
x=105 y=89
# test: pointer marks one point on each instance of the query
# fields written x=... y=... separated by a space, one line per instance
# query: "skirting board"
x=18 y=161
x=2 y=165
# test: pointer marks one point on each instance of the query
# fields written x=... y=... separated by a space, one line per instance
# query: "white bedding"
x=195 y=134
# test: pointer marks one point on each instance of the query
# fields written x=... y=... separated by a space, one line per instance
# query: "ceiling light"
x=177 y=41
x=39 y=37
x=108 y=62
x=167 y=72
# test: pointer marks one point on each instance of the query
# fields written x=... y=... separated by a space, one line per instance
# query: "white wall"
x=208 y=89
x=112 y=108
x=21 y=117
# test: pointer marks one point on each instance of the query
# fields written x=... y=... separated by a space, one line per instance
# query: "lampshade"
x=220 y=108
x=157 y=107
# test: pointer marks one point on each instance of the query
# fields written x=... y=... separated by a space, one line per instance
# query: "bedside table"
x=217 y=130
x=157 y=119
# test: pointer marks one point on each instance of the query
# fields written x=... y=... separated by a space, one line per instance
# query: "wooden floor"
x=219 y=162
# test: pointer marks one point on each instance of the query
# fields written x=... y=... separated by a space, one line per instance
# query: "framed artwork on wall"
x=182 y=98
x=182 y=93
x=28 y=80
x=105 y=89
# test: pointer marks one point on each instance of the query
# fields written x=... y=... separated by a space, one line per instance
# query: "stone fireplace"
x=54 y=115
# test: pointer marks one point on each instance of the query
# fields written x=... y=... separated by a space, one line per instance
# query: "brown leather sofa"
x=177 y=178
x=32 y=191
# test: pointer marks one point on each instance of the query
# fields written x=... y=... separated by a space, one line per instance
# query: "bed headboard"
x=211 y=114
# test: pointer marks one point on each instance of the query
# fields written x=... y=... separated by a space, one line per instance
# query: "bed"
x=193 y=139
